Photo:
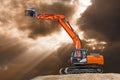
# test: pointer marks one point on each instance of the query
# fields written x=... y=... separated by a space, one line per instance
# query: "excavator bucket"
x=31 y=12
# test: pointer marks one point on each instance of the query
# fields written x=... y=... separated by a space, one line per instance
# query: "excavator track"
x=81 y=69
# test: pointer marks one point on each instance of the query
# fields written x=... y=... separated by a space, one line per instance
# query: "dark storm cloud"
x=103 y=18
x=42 y=27
x=35 y=27
x=9 y=49
x=112 y=58
x=102 y=21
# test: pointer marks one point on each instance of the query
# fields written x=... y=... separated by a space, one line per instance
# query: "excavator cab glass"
x=79 y=53
x=79 y=56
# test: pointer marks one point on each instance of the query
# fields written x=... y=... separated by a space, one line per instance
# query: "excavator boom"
x=65 y=24
x=62 y=21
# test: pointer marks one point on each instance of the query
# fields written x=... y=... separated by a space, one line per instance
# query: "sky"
x=28 y=46
x=103 y=18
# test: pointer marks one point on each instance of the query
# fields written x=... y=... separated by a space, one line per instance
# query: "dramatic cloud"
x=42 y=28
x=28 y=46
x=101 y=20
x=10 y=48
x=112 y=58
x=18 y=48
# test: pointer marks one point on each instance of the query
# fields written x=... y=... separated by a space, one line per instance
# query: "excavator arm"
x=65 y=24
x=61 y=20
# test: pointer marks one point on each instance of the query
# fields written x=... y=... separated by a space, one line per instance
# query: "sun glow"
x=94 y=44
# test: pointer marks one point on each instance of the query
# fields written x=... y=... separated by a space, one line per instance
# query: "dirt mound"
x=87 y=76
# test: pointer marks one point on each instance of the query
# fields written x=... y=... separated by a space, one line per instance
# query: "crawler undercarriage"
x=81 y=69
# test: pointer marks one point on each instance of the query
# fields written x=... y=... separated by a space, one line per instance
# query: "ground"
x=90 y=76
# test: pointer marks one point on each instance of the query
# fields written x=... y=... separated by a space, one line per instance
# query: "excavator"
x=80 y=61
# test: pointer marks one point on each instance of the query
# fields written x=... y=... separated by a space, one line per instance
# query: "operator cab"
x=78 y=57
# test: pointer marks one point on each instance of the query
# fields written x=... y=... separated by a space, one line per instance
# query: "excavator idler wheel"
x=62 y=71
x=100 y=69
x=66 y=70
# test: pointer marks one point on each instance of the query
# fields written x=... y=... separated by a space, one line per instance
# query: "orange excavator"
x=80 y=61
